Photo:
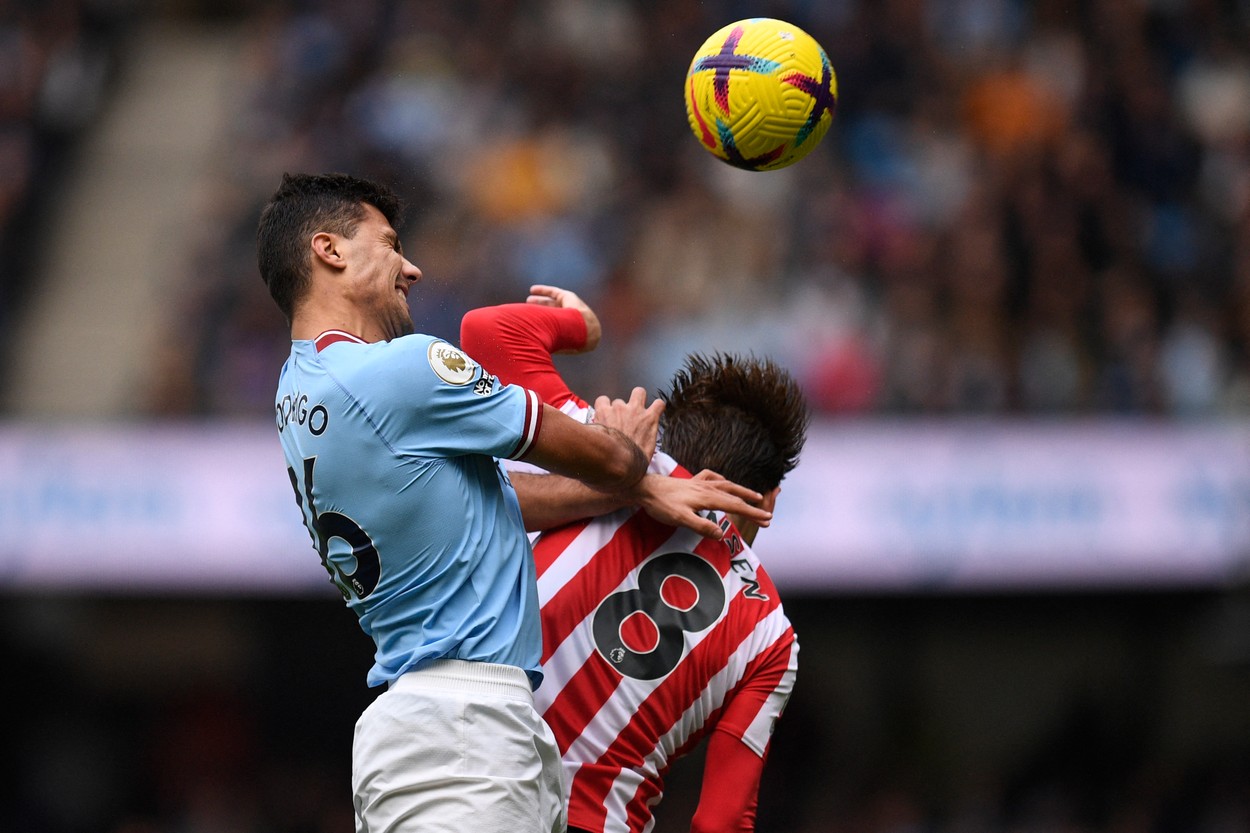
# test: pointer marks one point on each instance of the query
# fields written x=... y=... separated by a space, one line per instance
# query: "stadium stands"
x=1024 y=209
x=1028 y=209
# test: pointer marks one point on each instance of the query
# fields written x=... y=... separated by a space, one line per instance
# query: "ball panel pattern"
x=760 y=94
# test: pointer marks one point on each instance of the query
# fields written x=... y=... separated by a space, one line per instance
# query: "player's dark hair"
x=304 y=205
x=744 y=418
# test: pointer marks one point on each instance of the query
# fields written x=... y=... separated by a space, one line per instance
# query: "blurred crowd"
x=56 y=62
x=1021 y=208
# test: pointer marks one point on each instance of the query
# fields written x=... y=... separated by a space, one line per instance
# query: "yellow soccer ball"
x=760 y=94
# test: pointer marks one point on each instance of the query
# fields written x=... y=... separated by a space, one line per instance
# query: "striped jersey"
x=652 y=636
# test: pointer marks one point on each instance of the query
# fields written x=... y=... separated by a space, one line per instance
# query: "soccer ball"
x=760 y=94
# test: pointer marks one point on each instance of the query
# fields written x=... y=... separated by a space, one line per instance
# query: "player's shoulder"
x=433 y=355
x=409 y=359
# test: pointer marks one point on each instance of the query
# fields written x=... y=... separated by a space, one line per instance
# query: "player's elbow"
x=622 y=465
x=603 y=458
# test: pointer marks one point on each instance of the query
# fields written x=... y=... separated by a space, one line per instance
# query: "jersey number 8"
x=671 y=616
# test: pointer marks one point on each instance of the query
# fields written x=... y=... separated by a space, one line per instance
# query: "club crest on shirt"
x=450 y=365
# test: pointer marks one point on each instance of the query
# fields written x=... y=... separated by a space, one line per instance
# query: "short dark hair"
x=744 y=418
x=304 y=205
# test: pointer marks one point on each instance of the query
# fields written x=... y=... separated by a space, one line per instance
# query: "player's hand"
x=554 y=296
x=677 y=501
x=633 y=418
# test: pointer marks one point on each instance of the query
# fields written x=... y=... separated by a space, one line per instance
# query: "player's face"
x=382 y=276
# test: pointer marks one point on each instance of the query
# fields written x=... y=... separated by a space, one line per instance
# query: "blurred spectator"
x=56 y=60
x=1020 y=208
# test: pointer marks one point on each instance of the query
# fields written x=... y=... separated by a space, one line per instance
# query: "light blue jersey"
x=392 y=451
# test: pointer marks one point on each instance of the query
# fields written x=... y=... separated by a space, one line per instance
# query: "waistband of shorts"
x=467 y=677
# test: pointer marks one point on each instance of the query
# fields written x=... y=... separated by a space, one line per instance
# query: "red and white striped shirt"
x=652 y=636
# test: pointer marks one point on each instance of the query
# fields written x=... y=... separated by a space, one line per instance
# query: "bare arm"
x=603 y=456
x=549 y=501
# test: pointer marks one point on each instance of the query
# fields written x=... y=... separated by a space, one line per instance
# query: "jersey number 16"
x=323 y=526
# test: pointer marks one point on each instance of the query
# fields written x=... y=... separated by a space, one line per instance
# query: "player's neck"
x=747 y=529
x=308 y=324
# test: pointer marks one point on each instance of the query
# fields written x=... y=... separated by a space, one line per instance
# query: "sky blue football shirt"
x=392 y=450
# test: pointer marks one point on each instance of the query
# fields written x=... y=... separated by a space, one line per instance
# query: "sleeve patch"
x=451 y=365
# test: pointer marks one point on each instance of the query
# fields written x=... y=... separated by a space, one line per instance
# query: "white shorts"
x=457 y=746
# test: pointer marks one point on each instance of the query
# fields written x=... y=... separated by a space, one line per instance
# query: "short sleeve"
x=445 y=404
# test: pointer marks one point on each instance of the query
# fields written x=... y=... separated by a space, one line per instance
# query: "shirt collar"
x=331 y=336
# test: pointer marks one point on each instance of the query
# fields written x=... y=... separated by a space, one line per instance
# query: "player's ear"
x=325 y=247
x=769 y=502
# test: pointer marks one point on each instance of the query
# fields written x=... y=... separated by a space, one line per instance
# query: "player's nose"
x=410 y=271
